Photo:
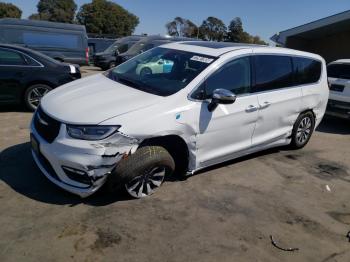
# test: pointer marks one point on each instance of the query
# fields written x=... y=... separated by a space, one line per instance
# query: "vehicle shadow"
x=334 y=125
x=19 y=171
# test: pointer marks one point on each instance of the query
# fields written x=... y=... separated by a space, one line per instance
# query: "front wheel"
x=302 y=130
x=34 y=94
x=143 y=172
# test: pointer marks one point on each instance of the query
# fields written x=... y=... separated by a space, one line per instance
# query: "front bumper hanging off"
x=79 y=166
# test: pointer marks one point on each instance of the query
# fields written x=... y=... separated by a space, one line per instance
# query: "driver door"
x=228 y=130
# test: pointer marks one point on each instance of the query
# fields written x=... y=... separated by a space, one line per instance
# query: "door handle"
x=265 y=105
x=251 y=108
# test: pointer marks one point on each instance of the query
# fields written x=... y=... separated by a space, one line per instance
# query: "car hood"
x=94 y=99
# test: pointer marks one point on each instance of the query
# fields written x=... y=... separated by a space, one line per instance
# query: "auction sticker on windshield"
x=202 y=59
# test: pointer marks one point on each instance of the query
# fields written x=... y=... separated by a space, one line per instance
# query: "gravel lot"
x=225 y=213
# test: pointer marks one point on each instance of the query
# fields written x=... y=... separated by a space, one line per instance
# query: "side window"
x=307 y=70
x=8 y=57
x=234 y=76
x=272 y=72
x=30 y=61
x=339 y=71
x=123 y=48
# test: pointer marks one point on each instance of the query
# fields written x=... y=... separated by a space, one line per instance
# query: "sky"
x=260 y=17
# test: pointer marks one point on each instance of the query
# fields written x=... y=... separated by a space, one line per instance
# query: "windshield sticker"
x=202 y=59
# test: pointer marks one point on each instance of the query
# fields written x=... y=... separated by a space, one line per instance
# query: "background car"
x=107 y=58
x=146 y=44
x=339 y=85
x=156 y=66
x=26 y=75
x=61 y=41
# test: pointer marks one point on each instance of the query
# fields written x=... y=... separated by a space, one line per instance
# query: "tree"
x=235 y=30
x=212 y=29
x=181 y=27
x=55 y=11
x=105 y=17
x=9 y=10
x=237 y=34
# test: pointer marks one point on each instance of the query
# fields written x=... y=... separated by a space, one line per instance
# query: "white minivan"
x=339 y=85
x=212 y=102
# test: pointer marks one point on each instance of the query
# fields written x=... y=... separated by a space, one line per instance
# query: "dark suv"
x=147 y=43
x=107 y=58
x=27 y=75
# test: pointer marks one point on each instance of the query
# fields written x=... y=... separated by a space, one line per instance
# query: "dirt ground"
x=225 y=213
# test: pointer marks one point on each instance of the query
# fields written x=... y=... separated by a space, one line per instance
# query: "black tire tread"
x=135 y=164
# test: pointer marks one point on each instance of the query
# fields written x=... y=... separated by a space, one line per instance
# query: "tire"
x=34 y=94
x=111 y=65
x=302 y=130
x=145 y=71
x=142 y=173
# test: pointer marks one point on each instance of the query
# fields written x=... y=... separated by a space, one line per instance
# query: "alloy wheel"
x=36 y=94
x=146 y=184
x=304 y=130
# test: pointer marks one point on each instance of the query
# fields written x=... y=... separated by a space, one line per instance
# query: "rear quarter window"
x=272 y=72
x=307 y=70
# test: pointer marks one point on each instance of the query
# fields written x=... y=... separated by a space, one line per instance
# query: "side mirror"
x=221 y=96
x=160 y=62
x=116 y=52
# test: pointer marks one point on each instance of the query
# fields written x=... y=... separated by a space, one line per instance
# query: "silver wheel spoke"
x=146 y=184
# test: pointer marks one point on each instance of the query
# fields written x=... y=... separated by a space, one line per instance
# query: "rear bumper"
x=338 y=109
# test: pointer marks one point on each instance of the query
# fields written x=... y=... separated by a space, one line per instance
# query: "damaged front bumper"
x=79 y=166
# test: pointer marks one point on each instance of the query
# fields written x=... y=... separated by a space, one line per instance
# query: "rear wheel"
x=34 y=94
x=302 y=130
x=143 y=172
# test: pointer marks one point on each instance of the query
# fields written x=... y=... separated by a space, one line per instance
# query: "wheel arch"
x=177 y=148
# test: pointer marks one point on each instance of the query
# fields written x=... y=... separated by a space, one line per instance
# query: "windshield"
x=112 y=48
x=161 y=71
x=139 y=48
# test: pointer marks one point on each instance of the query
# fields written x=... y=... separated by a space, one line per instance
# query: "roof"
x=341 y=61
x=37 y=23
x=209 y=48
x=316 y=29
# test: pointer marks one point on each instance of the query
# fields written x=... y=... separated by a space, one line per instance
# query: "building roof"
x=316 y=29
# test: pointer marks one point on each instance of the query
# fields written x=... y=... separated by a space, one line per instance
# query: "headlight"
x=91 y=132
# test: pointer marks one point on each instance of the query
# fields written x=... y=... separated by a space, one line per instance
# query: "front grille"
x=47 y=127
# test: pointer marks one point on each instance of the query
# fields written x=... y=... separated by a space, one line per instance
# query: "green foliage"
x=55 y=11
x=237 y=34
x=10 y=11
x=182 y=27
x=105 y=17
x=213 y=29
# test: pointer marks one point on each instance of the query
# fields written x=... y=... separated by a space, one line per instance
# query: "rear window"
x=308 y=70
x=272 y=72
x=339 y=71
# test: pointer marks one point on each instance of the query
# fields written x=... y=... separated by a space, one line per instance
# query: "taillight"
x=87 y=55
